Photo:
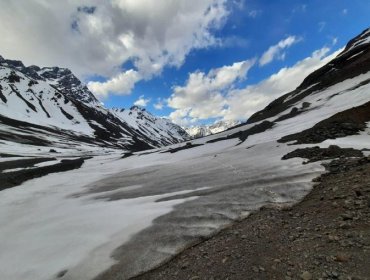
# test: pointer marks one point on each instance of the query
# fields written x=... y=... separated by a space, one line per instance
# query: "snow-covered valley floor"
x=137 y=211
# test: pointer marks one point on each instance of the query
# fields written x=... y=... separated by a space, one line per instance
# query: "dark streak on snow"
x=30 y=105
x=2 y=96
x=243 y=135
x=12 y=179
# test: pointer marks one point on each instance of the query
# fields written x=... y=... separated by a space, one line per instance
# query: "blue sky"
x=252 y=28
x=185 y=54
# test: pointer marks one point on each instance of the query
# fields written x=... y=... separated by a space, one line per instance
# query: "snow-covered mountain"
x=161 y=130
x=205 y=130
x=52 y=106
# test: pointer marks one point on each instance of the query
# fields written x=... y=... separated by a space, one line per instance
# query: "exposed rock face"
x=349 y=122
x=159 y=129
x=318 y=154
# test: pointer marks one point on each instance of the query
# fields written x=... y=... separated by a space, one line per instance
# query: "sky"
x=193 y=61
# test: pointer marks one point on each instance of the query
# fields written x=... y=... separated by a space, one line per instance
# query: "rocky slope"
x=51 y=106
x=161 y=130
x=352 y=62
x=326 y=236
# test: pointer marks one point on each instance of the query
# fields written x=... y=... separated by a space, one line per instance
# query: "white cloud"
x=202 y=96
x=99 y=38
x=159 y=105
x=194 y=101
x=122 y=84
x=322 y=25
x=242 y=103
x=234 y=42
x=334 y=41
x=300 y=8
x=276 y=51
x=254 y=13
x=142 y=101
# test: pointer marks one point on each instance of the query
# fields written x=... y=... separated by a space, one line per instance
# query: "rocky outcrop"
x=349 y=122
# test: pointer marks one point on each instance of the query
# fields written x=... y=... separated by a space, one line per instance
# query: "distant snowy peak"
x=205 y=130
x=161 y=129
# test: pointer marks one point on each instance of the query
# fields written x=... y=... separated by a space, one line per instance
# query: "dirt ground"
x=325 y=236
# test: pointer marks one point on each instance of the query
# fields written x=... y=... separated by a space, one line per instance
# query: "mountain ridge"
x=205 y=130
x=357 y=50
x=55 y=100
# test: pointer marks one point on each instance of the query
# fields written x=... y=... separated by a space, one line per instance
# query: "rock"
x=347 y=216
x=184 y=265
x=341 y=257
x=358 y=193
x=255 y=269
x=344 y=225
x=333 y=238
x=306 y=275
x=335 y=274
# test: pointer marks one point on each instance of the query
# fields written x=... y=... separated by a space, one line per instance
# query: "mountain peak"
x=62 y=105
x=116 y=109
x=137 y=108
x=205 y=130
x=54 y=72
x=16 y=64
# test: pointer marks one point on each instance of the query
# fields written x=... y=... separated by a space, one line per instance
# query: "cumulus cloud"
x=121 y=84
x=202 y=96
x=254 y=13
x=159 y=104
x=239 y=103
x=97 y=37
x=277 y=51
x=142 y=101
x=322 y=25
x=242 y=103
